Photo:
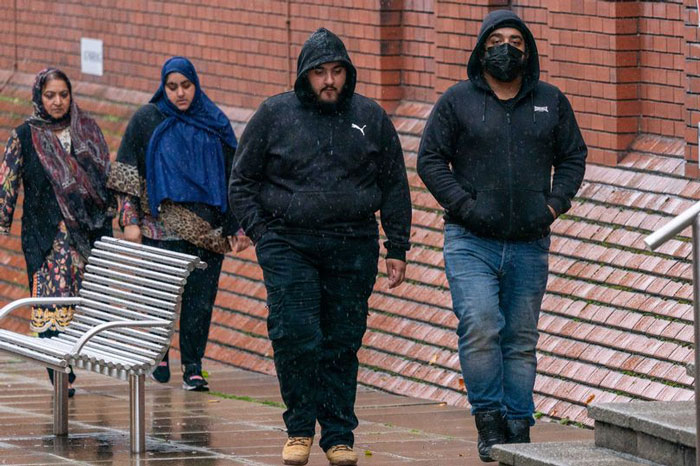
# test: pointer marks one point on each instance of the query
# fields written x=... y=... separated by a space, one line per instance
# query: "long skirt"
x=59 y=276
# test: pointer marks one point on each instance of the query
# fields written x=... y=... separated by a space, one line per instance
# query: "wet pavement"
x=238 y=422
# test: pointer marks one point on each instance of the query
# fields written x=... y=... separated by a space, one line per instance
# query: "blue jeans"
x=497 y=288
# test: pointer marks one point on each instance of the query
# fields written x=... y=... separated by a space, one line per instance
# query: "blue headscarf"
x=185 y=159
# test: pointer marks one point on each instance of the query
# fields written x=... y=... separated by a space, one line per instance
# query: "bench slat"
x=157 y=257
x=129 y=297
x=58 y=348
x=137 y=271
x=101 y=355
x=163 y=252
x=107 y=303
x=25 y=345
x=86 y=323
x=146 y=264
x=130 y=278
x=94 y=317
x=121 y=284
x=114 y=372
x=42 y=358
x=105 y=344
x=107 y=337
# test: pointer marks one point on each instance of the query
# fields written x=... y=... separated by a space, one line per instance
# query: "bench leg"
x=60 y=403
x=137 y=413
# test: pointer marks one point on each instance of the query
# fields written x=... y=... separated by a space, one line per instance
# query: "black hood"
x=498 y=19
x=323 y=47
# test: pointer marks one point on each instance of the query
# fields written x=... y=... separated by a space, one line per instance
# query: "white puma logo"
x=361 y=130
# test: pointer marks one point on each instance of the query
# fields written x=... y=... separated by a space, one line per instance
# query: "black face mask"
x=504 y=62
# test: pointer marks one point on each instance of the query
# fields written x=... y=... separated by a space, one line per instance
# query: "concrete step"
x=659 y=431
x=561 y=454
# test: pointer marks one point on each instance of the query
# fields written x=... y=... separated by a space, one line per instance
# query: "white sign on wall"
x=91 y=56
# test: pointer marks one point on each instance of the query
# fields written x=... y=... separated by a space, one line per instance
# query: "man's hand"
x=132 y=233
x=396 y=271
x=554 y=213
x=239 y=243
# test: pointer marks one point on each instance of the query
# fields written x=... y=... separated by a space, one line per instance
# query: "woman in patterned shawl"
x=61 y=158
x=170 y=176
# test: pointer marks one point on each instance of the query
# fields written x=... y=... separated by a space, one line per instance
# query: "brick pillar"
x=390 y=61
x=692 y=98
x=7 y=37
x=594 y=47
x=457 y=24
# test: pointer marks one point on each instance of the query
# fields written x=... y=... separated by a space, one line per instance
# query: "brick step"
x=660 y=186
x=633 y=202
x=603 y=324
x=622 y=260
x=671 y=165
x=612 y=368
x=570 y=398
x=615 y=298
x=560 y=453
x=631 y=280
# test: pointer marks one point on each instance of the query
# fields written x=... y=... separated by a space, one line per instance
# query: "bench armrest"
x=107 y=325
x=38 y=301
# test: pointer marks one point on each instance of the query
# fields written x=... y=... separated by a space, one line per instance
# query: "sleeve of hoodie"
x=247 y=174
x=569 y=160
x=396 y=197
x=436 y=149
x=229 y=222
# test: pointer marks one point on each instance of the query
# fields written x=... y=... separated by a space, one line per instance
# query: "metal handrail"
x=689 y=217
x=672 y=228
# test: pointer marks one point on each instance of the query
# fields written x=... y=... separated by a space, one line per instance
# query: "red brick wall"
x=418 y=50
x=692 y=83
x=240 y=47
x=662 y=68
x=622 y=64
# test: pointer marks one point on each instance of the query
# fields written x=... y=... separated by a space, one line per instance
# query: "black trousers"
x=197 y=300
x=317 y=292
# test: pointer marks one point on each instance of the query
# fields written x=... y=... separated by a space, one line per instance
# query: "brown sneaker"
x=297 y=449
x=341 y=455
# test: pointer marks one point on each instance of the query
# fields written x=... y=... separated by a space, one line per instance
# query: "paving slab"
x=238 y=422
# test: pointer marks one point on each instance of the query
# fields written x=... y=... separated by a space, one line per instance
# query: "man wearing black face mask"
x=487 y=155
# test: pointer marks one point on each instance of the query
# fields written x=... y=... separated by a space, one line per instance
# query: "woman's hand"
x=239 y=243
x=132 y=233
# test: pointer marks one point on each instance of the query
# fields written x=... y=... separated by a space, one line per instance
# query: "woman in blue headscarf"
x=170 y=176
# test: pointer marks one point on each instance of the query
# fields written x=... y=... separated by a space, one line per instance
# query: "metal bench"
x=124 y=319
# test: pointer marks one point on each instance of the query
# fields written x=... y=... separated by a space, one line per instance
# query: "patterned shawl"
x=78 y=177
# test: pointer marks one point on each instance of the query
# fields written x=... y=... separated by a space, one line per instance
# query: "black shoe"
x=193 y=380
x=491 y=426
x=518 y=431
x=71 y=379
x=162 y=372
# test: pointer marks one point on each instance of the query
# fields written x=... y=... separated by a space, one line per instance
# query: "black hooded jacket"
x=489 y=162
x=300 y=166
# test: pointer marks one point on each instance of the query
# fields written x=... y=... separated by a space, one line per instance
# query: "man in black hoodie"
x=312 y=168
x=487 y=156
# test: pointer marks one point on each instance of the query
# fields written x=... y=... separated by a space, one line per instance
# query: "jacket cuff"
x=559 y=204
x=256 y=232
x=464 y=207
x=394 y=253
